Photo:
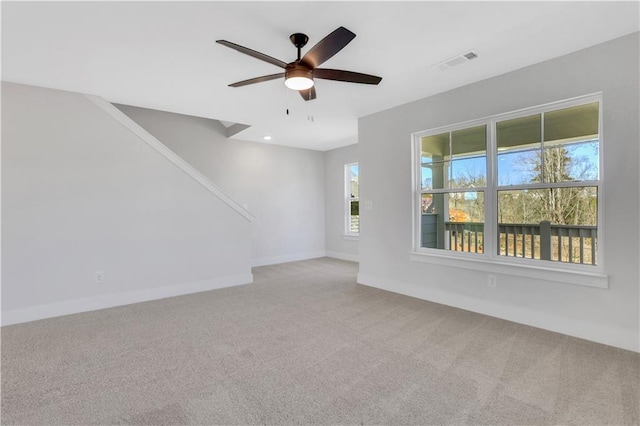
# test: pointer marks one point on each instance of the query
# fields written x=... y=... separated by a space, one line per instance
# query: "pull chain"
x=287 y=90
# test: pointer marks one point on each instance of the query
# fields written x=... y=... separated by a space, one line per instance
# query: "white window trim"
x=490 y=261
x=348 y=234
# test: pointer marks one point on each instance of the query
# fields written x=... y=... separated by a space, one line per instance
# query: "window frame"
x=490 y=260
x=348 y=233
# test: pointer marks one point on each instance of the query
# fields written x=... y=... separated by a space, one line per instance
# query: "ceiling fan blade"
x=308 y=94
x=327 y=47
x=348 y=76
x=257 y=80
x=255 y=54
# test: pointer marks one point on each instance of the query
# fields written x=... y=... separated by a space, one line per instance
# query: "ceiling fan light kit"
x=299 y=74
x=298 y=77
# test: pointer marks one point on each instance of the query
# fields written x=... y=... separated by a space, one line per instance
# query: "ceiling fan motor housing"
x=296 y=69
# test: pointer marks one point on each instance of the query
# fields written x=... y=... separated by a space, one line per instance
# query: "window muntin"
x=541 y=189
x=352 y=203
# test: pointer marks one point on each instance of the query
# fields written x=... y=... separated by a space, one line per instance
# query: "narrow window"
x=352 y=205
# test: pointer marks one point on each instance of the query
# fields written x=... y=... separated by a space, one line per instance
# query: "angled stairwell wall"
x=87 y=192
x=282 y=186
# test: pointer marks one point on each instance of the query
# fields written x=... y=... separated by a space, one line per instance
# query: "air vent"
x=470 y=55
x=456 y=60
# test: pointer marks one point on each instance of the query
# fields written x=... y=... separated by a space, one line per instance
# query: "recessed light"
x=266 y=138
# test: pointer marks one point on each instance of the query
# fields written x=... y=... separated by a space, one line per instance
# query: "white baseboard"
x=287 y=258
x=343 y=256
x=75 y=306
x=618 y=337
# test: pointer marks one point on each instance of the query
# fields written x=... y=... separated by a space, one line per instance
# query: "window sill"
x=582 y=278
x=351 y=237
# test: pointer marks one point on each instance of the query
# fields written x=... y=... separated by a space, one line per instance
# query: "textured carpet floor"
x=305 y=344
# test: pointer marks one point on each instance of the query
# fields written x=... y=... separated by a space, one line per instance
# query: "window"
x=453 y=179
x=520 y=187
x=352 y=205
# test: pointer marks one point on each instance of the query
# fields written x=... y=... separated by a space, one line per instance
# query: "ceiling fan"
x=299 y=74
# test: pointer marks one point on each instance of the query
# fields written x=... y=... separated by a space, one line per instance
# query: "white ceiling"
x=163 y=55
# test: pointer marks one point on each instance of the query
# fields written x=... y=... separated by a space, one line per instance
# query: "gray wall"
x=336 y=243
x=283 y=187
x=607 y=315
x=81 y=193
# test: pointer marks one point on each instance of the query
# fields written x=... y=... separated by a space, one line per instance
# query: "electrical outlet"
x=99 y=277
x=492 y=281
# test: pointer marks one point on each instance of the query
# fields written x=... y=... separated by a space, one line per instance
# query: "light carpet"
x=305 y=344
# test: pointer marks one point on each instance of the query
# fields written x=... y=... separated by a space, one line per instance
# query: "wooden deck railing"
x=466 y=236
x=546 y=241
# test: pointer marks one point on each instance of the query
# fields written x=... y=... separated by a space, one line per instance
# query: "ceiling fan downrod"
x=299 y=40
